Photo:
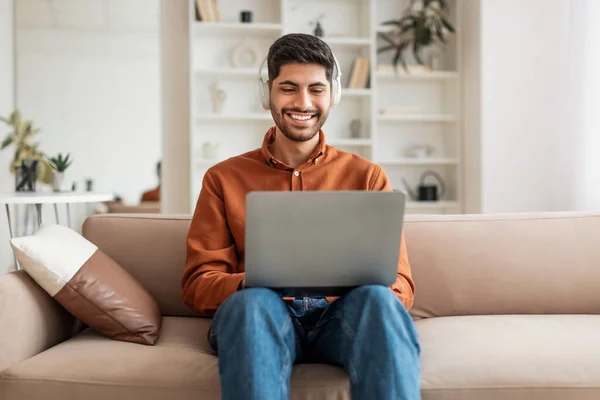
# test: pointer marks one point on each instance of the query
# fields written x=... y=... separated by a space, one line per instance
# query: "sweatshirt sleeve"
x=211 y=270
x=404 y=287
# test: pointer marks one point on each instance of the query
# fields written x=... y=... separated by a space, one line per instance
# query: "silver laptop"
x=322 y=243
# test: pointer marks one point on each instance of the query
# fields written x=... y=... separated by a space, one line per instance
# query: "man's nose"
x=302 y=100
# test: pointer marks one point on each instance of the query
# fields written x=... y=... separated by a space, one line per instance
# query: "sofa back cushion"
x=543 y=263
x=462 y=264
x=150 y=247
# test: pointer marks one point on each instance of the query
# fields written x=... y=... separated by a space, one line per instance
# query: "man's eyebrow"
x=292 y=83
x=288 y=82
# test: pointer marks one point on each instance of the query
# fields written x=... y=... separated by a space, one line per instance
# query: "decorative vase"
x=210 y=150
x=26 y=176
x=57 y=180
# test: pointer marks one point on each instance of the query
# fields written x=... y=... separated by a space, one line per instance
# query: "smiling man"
x=258 y=335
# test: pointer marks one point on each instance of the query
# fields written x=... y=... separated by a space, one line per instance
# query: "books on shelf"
x=359 y=78
x=207 y=10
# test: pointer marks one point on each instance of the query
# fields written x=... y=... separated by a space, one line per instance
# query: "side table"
x=54 y=198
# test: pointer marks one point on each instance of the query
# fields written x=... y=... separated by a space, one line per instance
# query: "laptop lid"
x=322 y=243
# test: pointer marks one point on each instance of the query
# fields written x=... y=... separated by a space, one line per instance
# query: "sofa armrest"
x=31 y=321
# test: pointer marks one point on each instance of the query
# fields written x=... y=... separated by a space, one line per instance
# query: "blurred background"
x=497 y=111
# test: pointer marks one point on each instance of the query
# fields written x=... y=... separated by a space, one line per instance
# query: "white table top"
x=54 y=198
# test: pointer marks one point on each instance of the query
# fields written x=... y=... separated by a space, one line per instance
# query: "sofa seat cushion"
x=510 y=357
x=181 y=365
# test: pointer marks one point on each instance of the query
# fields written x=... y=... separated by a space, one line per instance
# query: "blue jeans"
x=368 y=332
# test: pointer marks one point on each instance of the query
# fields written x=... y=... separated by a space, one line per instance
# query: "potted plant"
x=423 y=23
x=59 y=164
x=28 y=163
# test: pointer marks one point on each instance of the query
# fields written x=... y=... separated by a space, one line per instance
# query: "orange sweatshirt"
x=215 y=241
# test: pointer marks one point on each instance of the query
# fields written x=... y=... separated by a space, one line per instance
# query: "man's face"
x=300 y=100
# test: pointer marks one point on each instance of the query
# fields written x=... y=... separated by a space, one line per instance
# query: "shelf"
x=417 y=118
x=417 y=76
x=420 y=161
x=83 y=30
x=249 y=72
x=396 y=108
x=235 y=117
x=347 y=41
x=237 y=27
x=203 y=163
x=356 y=92
x=384 y=28
x=350 y=142
x=431 y=204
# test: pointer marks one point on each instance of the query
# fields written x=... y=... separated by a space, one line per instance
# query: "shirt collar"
x=270 y=138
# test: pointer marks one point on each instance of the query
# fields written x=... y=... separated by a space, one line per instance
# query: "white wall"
x=88 y=73
x=578 y=170
x=520 y=146
x=522 y=66
x=6 y=106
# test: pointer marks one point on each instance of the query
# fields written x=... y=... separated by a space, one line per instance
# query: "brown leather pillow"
x=89 y=284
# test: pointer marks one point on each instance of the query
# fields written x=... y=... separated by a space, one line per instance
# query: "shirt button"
x=316 y=159
x=296 y=173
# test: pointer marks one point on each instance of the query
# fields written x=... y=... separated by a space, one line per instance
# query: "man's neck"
x=290 y=152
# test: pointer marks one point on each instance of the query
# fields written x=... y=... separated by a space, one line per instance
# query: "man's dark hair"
x=299 y=48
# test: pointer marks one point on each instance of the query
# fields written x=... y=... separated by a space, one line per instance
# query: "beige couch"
x=144 y=207
x=506 y=308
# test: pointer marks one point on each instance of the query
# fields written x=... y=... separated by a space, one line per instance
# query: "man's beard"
x=294 y=132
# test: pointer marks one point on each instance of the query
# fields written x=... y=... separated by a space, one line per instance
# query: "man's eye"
x=317 y=91
x=287 y=90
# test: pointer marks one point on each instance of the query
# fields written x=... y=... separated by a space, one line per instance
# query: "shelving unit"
x=246 y=72
x=418 y=76
x=426 y=205
x=350 y=142
x=347 y=41
x=427 y=104
x=239 y=27
x=235 y=117
x=417 y=118
x=420 y=161
x=357 y=92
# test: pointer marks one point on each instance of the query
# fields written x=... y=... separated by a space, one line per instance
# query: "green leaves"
x=14 y=118
x=59 y=162
x=24 y=150
x=423 y=23
x=7 y=141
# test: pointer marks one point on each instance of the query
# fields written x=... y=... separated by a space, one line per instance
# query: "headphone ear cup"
x=337 y=93
x=263 y=90
x=336 y=83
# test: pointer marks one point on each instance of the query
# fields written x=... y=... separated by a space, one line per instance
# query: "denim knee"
x=253 y=300
x=379 y=295
x=247 y=309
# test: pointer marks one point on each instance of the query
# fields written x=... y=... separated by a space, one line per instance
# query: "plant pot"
x=57 y=180
x=26 y=175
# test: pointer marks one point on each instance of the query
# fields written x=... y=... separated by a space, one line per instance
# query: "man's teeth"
x=301 y=117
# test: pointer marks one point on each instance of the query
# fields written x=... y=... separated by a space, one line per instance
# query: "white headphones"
x=336 y=84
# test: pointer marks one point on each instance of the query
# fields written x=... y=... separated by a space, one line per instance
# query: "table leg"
x=24 y=231
x=10 y=231
x=68 y=216
x=38 y=209
x=56 y=213
x=9 y=221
